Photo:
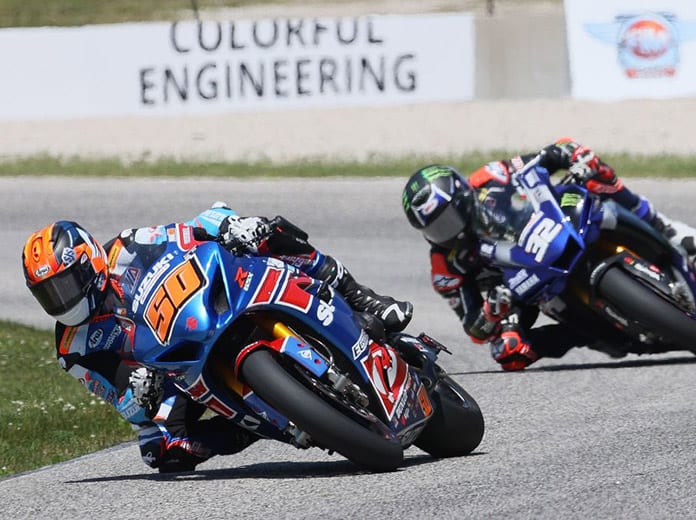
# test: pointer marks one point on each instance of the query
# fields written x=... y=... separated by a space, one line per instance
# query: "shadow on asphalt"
x=632 y=363
x=268 y=470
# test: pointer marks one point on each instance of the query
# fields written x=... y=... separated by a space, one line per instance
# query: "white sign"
x=213 y=67
x=631 y=48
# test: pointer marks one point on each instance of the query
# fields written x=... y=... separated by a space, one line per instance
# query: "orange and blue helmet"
x=66 y=271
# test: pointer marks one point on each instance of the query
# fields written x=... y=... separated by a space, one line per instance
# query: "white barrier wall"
x=215 y=67
x=623 y=49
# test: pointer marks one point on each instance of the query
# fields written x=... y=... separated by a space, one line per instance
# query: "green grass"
x=33 y=13
x=46 y=416
x=626 y=165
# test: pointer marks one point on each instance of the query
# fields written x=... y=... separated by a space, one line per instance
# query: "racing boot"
x=209 y=437
x=394 y=314
x=372 y=325
x=179 y=460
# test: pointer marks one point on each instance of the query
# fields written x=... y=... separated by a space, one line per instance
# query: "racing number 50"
x=171 y=296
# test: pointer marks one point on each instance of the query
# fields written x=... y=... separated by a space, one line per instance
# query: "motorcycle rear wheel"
x=636 y=300
x=457 y=427
x=328 y=427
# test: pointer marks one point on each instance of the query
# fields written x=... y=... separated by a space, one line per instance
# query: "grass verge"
x=46 y=416
x=34 y=13
x=625 y=165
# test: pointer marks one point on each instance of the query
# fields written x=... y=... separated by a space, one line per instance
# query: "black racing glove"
x=556 y=157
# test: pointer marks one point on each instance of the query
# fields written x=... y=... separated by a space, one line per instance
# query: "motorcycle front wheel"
x=328 y=427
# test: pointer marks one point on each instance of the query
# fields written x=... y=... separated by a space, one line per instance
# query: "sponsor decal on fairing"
x=361 y=345
x=649 y=271
x=325 y=312
x=150 y=279
x=388 y=374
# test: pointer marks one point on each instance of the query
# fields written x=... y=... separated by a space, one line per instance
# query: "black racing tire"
x=327 y=426
x=457 y=425
x=641 y=304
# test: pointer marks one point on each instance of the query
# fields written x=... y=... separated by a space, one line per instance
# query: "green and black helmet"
x=439 y=202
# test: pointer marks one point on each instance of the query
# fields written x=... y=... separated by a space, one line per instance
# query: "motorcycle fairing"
x=536 y=265
x=205 y=391
x=302 y=353
x=194 y=296
x=550 y=266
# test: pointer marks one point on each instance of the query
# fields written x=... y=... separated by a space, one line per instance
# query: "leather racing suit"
x=458 y=273
x=99 y=353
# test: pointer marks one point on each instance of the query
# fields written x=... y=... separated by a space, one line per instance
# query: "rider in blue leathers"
x=441 y=203
x=82 y=285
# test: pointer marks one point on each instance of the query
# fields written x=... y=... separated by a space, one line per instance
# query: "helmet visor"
x=446 y=226
x=62 y=292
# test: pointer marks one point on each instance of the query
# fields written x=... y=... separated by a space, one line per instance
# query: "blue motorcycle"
x=592 y=265
x=284 y=356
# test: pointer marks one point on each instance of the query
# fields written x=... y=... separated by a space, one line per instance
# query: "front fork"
x=340 y=382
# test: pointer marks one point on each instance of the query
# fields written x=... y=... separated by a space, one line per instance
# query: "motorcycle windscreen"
x=502 y=214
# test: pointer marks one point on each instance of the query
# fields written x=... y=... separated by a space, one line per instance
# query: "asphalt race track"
x=585 y=436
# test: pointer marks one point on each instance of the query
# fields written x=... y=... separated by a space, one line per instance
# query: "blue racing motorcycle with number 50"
x=590 y=264
x=283 y=355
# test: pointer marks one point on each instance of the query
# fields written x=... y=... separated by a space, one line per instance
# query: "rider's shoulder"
x=497 y=172
x=100 y=333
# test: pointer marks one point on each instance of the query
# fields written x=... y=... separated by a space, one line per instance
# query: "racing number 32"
x=541 y=237
x=171 y=296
